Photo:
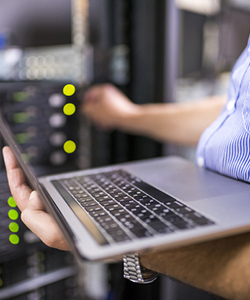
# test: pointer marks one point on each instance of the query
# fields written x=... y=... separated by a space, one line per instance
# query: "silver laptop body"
x=142 y=206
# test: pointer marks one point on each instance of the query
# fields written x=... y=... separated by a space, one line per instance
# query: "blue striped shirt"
x=225 y=145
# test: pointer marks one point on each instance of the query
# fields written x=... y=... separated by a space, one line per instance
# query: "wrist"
x=130 y=119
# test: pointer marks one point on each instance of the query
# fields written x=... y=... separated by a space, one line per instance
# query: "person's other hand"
x=33 y=212
x=107 y=107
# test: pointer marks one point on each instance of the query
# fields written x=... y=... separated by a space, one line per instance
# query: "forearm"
x=221 y=267
x=181 y=123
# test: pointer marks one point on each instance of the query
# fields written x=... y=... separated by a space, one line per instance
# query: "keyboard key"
x=149 y=203
x=118 y=235
x=107 y=202
x=182 y=225
x=113 y=207
x=141 y=231
x=160 y=227
x=90 y=203
x=173 y=218
x=95 y=211
x=199 y=219
x=174 y=204
x=185 y=211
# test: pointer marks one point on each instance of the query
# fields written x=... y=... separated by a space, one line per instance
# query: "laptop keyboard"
x=124 y=207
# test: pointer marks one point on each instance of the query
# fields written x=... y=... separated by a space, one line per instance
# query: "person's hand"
x=33 y=212
x=107 y=107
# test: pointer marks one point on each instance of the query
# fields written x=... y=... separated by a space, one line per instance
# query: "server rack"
x=129 y=33
x=37 y=113
x=39 y=96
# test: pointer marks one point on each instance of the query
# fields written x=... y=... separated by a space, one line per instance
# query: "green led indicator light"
x=69 y=146
x=21 y=117
x=69 y=90
x=13 y=227
x=14 y=239
x=69 y=109
x=13 y=214
x=22 y=138
x=11 y=202
x=20 y=96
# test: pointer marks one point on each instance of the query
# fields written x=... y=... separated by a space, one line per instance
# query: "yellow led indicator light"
x=13 y=227
x=1 y=282
x=14 y=239
x=69 y=90
x=69 y=109
x=69 y=147
x=11 y=202
x=13 y=214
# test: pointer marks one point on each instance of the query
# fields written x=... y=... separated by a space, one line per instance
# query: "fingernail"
x=32 y=195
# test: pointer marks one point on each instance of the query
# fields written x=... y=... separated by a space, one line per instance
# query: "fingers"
x=95 y=91
x=17 y=183
x=33 y=213
x=90 y=100
x=92 y=94
x=42 y=224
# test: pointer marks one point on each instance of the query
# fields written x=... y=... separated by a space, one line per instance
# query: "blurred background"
x=50 y=53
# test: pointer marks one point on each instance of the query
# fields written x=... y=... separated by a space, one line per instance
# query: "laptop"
x=142 y=206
